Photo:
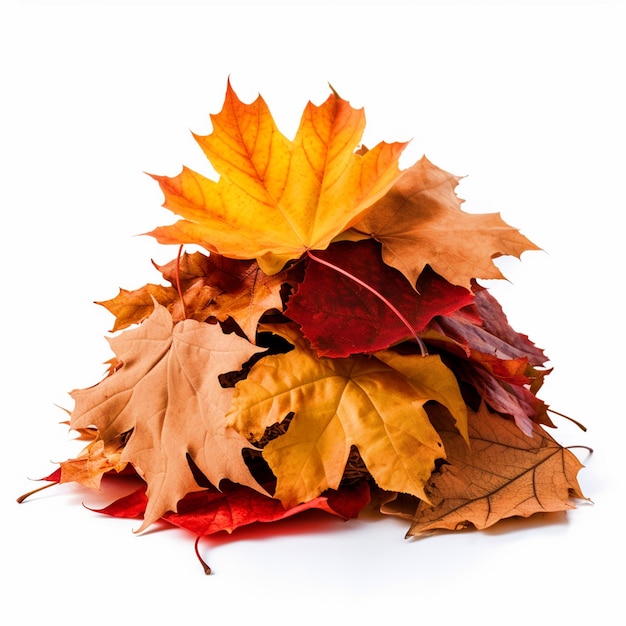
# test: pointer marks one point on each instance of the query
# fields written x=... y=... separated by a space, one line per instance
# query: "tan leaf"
x=168 y=393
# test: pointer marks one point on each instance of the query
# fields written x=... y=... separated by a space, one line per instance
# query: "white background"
x=524 y=98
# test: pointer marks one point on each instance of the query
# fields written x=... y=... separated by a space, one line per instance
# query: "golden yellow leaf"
x=338 y=403
x=275 y=198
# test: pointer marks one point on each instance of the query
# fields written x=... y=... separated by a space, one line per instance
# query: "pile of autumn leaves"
x=332 y=343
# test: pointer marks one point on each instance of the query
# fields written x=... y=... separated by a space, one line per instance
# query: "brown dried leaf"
x=503 y=474
x=420 y=222
x=216 y=286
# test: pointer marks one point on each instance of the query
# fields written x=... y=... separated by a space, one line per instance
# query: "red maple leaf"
x=211 y=511
x=340 y=316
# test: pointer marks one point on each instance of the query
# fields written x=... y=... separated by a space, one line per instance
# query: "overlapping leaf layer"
x=333 y=338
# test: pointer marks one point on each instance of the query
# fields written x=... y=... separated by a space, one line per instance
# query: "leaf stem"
x=571 y=419
x=205 y=566
x=590 y=450
x=394 y=310
x=178 y=287
x=30 y=493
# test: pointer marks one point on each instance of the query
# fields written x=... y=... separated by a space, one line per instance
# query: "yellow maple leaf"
x=375 y=404
x=275 y=198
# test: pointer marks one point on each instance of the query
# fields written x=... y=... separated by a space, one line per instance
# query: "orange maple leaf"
x=95 y=460
x=420 y=222
x=167 y=392
x=275 y=198
x=133 y=307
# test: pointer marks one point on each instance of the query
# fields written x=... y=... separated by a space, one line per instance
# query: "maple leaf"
x=209 y=511
x=88 y=469
x=275 y=198
x=211 y=286
x=132 y=307
x=504 y=473
x=216 y=286
x=167 y=392
x=375 y=404
x=503 y=366
x=341 y=317
x=97 y=458
x=419 y=222
x=497 y=335
x=513 y=397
